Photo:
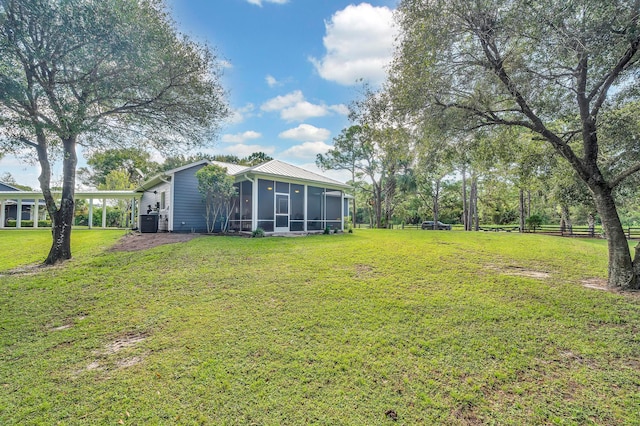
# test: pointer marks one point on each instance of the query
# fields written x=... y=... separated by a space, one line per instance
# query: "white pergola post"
x=35 y=213
x=90 y=213
x=19 y=214
x=104 y=213
x=3 y=205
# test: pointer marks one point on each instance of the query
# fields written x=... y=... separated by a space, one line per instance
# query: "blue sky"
x=290 y=68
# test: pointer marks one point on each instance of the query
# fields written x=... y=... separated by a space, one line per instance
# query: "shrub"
x=534 y=221
x=327 y=230
x=258 y=233
x=11 y=223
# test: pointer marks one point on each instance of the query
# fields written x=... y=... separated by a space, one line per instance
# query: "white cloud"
x=293 y=107
x=306 y=132
x=241 y=137
x=271 y=81
x=359 y=44
x=259 y=2
x=303 y=110
x=340 y=109
x=238 y=115
x=280 y=102
x=307 y=150
x=243 y=150
x=239 y=150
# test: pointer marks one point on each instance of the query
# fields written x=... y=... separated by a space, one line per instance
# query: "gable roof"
x=273 y=169
x=279 y=168
x=7 y=187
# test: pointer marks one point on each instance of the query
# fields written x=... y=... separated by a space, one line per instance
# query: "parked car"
x=428 y=224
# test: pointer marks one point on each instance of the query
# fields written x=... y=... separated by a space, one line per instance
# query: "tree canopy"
x=554 y=67
x=99 y=73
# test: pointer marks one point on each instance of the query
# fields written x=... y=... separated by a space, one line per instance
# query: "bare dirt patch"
x=129 y=362
x=136 y=241
x=519 y=272
x=123 y=342
x=364 y=271
x=595 y=283
x=107 y=357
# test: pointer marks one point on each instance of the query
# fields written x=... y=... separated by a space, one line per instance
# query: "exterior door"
x=282 y=213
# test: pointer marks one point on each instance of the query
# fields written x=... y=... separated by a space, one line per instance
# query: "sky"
x=290 y=70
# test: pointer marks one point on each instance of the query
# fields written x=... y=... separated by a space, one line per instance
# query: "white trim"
x=104 y=213
x=275 y=210
x=34 y=213
x=90 y=224
x=3 y=206
x=19 y=214
x=306 y=199
x=83 y=195
x=342 y=211
x=254 y=204
x=172 y=198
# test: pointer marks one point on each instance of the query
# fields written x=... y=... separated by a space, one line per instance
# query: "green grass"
x=24 y=247
x=330 y=329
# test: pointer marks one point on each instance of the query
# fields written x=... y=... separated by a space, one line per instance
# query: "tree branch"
x=622 y=176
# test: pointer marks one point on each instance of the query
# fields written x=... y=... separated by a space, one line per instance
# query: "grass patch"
x=431 y=327
x=25 y=247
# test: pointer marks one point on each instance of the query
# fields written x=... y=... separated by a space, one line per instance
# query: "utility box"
x=148 y=223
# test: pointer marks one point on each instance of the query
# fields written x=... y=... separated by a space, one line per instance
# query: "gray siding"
x=188 y=204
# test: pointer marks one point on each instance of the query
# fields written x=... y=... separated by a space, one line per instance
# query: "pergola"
x=17 y=197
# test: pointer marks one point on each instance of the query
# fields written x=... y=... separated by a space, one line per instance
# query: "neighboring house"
x=275 y=196
x=11 y=206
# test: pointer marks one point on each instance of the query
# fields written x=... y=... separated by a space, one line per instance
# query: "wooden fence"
x=632 y=233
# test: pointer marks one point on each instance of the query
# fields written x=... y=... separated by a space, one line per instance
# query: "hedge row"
x=29 y=223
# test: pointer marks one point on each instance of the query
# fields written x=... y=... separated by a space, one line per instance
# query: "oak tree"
x=531 y=64
x=99 y=73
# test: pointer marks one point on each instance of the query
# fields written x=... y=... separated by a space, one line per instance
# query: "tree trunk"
x=355 y=212
x=62 y=218
x=621 y=268
x=436 y=204
x=464 y=198
x=476 y=226
x=389 y=195
x=565 y=219
x=378 y=204
x=472 y=218
x=522 y=208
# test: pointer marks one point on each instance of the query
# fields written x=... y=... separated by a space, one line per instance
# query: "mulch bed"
x=136 y=241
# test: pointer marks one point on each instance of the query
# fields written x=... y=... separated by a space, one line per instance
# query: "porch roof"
x=33 y=195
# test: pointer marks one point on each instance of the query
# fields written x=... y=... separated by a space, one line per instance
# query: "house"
x=275 y=196
x=11 y=206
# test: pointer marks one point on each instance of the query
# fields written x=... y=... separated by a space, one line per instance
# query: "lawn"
x=376 y=327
